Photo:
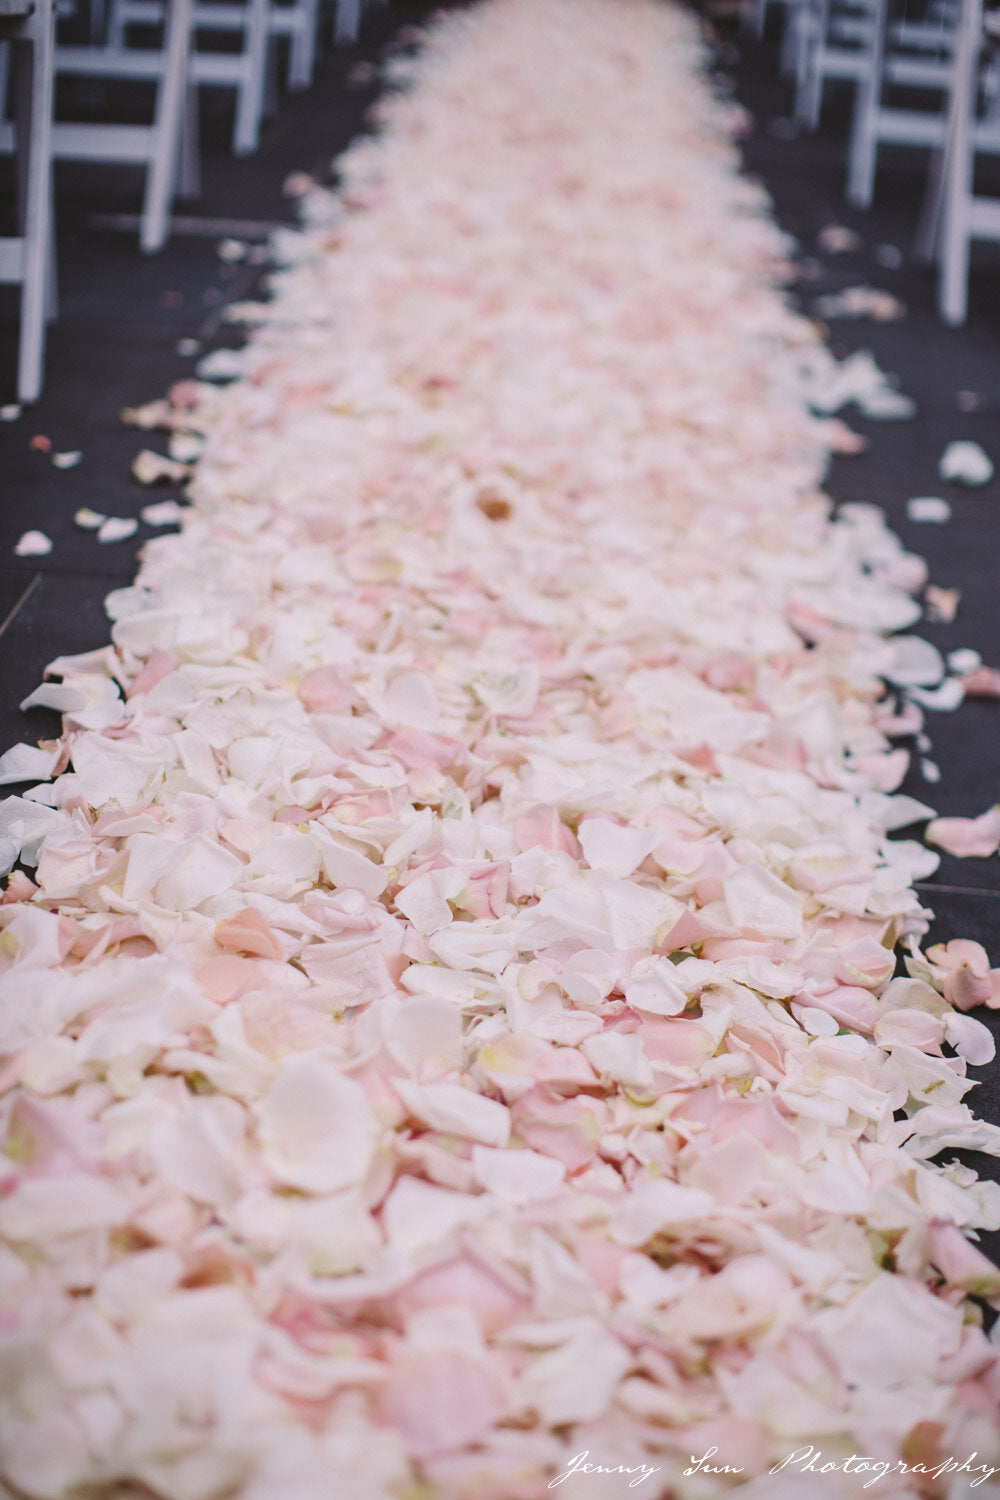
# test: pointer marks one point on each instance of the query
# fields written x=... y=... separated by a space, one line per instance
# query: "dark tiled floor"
x=15 y=584
x=934 y=364
x=38 y=632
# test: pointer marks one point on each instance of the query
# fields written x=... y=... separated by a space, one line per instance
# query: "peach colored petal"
x=248 y=932
x=968 y=838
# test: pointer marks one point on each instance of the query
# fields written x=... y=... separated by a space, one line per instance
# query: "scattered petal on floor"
x=837 y=239
x=930 y=508
x=858 y=380
x=222 y=364
x=186 y=447
x=967 y=463
x=963 y=661
x=944 y=699
x=40 y=443
x=117 y=528
x=232 y=250
x=914 y=662
x=860 y=302
x=361 y=73
x=941 y=604
x=246 y=312
x=843 y=439
x=982 y=682
x=163 y=513
x=10 y=412
x=961 y=970
x=33 y=544
x=967 y=837
x=886 y=405
x=150 y=467
x=152 y=414
x=28 y=763
x=298 y=184
x=68 y=460
x=889 y=256
x=87 y=519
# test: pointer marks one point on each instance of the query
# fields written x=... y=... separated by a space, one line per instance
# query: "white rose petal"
x=316 y=1128
x=33 y=544
x=456 y=1111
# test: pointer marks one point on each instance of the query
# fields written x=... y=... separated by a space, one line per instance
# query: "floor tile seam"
x=75 y=574
x=930 y=889
x=24 y=597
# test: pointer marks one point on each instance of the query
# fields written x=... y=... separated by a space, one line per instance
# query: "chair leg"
x=953 y=297
x=752 y=17
x=927 y=240
x=98 y=21
x=161 y=175
x=52 y=262
x=809 y=92
x=302 y=54
x=806 y=42
x=250 y=95
x=953 y=288
x=348 y=21
x=862 y=150
x=116 y=26
x=790 y=40
x=189 y=176
x=33 y=87
x=272 y=87
x=863 y=147
x=4 y=77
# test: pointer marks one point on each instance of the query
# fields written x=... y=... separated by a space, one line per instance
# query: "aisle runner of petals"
x=452 y=1026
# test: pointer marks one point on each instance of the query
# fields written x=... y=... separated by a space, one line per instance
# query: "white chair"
x=838 y=45
x=348 y=15
x=155 y=146
x=911 y=55
x=256 y=22
x=347 y=22
x=753 y=18
x=26 y=258
x=244 y=70
x=298 y=21
x=965 y=216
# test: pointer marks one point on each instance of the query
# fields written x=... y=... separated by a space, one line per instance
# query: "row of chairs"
x=183 y=56
x=927 y=78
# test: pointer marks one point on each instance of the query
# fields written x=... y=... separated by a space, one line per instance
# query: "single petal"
x=316 y=1128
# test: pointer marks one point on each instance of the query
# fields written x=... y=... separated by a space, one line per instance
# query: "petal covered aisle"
x=452 y=1024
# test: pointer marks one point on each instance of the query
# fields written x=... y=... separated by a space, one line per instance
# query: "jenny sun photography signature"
x=805 y=1460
